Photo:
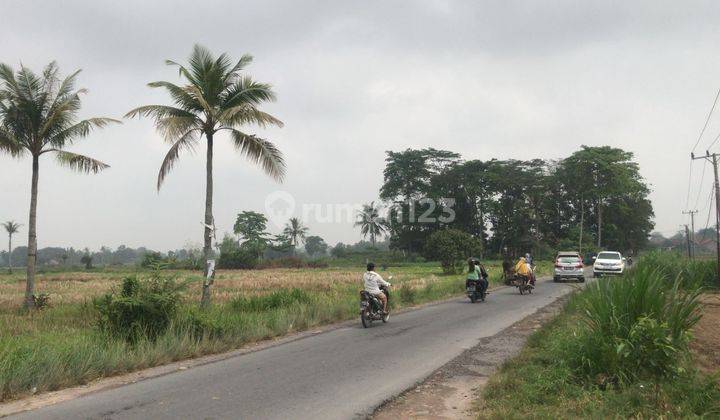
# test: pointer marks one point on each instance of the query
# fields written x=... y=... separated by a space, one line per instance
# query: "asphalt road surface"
x=343 y=373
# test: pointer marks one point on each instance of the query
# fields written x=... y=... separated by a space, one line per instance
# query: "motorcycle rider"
x=477 y=272
x=373 y=281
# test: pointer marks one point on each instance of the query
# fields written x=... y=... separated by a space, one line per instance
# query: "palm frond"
x=9 y=144
x=186 y=142
x=78 y=162
x=260 y=151
x=247 y=114
x=174 y=127
x=158 y=112
x=247 y=91
x=79 y=130
x=179 y=95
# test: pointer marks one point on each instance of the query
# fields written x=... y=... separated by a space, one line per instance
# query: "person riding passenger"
x=373 y=281
x=482 y=275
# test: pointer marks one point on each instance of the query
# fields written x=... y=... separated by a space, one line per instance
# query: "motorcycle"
x=371 y=308
x=472 y=288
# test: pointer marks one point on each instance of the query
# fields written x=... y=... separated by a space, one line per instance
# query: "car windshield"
x=608 y=256
x=568 y=260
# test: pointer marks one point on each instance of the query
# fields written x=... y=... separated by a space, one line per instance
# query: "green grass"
x=61 y=346
x=618 y=350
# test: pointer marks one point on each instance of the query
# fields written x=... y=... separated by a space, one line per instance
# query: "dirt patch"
x=452 y=392
x=706 y=335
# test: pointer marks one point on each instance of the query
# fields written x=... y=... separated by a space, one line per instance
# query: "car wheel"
x=556 y=279
x=581 y=279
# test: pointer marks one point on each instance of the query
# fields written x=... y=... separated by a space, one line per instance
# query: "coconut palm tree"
x=38 y=116
x=216 y=98
x=295 y=232
x=12 y=228
x=370 y=222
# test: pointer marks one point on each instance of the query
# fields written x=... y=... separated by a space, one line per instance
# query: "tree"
x=315 y=245
x=216 y=98
x=87 y=259
x=452 y=248
x=606 y=178
x=38 y=115
x=370 y=222
x=251 y=227
x=11 y=228
x=295 y=232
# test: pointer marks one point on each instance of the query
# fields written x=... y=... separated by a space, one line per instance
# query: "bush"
x=238 y=258
x=143 y=308
x=637 y=326
x=452 y=248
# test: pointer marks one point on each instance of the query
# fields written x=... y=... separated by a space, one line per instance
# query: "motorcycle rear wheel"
x=386 y=317
x=473 y=298
x=365 y=319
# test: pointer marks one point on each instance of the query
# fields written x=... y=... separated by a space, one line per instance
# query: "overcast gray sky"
x=493 y=79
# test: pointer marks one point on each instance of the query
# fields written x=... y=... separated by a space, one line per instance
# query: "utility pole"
x=692 y=232
x=687 y=239
x=713 y=158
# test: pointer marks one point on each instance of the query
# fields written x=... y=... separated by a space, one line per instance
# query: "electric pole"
x=687 y=239
x=713 y=158
x=692 y=231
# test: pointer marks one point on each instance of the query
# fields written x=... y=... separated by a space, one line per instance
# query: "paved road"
x=343 y=373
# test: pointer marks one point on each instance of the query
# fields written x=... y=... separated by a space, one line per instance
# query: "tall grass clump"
x=636 y=326
x=692 y=274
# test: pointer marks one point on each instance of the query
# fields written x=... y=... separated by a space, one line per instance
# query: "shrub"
x=143 y=308
x=451 y=247
x=637 y=326
x=238 y=258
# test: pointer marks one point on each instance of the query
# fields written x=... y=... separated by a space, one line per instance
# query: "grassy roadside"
x=61 y=346
x=578 y=365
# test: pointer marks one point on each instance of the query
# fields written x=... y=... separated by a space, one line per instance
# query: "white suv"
x=608 y=262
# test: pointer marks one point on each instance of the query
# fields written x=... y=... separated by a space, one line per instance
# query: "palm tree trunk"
x=10 y=253
x=372 y=239
x=207 y=249
x=32 y=236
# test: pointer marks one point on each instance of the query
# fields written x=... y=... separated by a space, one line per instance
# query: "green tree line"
x=593 y=199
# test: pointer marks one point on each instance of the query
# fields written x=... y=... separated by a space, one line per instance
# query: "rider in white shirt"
x=373 y=281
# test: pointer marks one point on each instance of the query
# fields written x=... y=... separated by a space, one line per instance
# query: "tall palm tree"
x=370 y=222
x=216 y=98
x=295 y=232
x=12 y=228
x=38 y=115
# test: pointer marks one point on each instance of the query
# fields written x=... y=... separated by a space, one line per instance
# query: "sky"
x=488 y=79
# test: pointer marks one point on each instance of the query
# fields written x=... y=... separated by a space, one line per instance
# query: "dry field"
x=79 y=286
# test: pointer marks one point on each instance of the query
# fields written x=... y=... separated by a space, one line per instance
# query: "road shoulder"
x=451 y=392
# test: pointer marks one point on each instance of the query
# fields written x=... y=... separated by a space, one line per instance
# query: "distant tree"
x=216 y=98
x=315 y=245
x=251 y=227
x=87 y=259
x=452 y=248
x=11 y=228
x=339 y=250
x=370 y=222
x=295 y=232
x=38 y=115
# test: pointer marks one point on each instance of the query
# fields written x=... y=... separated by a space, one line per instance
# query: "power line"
x=707 y=120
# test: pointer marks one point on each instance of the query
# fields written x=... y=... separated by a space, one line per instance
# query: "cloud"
x=503 y=79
